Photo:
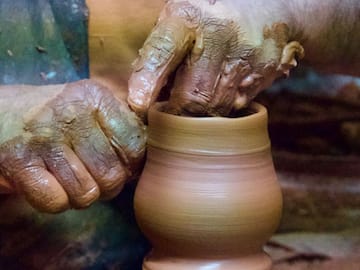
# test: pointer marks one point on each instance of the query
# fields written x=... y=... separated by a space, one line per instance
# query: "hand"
x=224 y=53
x=67 y=145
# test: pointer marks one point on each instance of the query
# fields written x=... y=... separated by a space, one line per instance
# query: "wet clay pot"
x=208 y=198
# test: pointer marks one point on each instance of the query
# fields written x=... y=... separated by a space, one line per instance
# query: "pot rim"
x=258 y=110
x=209 y=135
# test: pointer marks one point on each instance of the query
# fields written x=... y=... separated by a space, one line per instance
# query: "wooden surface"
x=320 y=250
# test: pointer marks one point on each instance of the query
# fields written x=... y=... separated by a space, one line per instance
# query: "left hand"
x=65 y=146
x=225 y=53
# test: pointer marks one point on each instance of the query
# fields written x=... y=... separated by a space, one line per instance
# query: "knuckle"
x=14 y=154
x=186 y=11
x=112 y=182
x=158 y=49
x=93 y=94
x=35 y=183
x=114 y=176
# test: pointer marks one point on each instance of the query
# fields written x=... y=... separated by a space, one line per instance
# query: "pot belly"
x=190 y=204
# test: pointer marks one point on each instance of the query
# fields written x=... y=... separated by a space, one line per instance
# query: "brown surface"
x=117 y=29
x=352 y=263
x=321 y=250
x=204 y=188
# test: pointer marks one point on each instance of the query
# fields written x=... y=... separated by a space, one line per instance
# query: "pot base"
x=259 y=261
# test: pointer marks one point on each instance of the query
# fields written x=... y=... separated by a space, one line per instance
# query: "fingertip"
x=86 y=199
x=162 y=53
x=113 y=193
x=57 y=205
x=43 y=192
x=75 y=179
x=240 y=101
x=144 y=89
x=137 y=108
x=113 y=182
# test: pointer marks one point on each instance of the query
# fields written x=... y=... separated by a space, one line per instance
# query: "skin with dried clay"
x=225 y=52
x=68 y=145
x=65 y=146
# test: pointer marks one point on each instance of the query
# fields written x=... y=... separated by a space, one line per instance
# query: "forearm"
x=329 y=32
x=18 y=103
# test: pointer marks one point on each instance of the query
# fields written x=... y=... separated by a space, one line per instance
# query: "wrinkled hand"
x=224 y=53
x=71 y=145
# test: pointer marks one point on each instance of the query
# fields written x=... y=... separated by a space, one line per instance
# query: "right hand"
x=65 y=146
x=224 y=53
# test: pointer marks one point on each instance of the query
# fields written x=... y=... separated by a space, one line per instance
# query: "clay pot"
x=208 y=197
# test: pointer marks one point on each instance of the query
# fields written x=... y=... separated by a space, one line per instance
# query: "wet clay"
x=76 y=144
x=215 y=85
x=164 y=49
x=208 y=196
x=218 y=67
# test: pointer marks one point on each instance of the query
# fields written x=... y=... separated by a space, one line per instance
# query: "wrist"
x=11 y=126
x=11 y=111
x=329 y=32
x=20 y=103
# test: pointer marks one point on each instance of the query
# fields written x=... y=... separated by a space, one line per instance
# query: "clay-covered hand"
x=65 y=146
x=223 y=52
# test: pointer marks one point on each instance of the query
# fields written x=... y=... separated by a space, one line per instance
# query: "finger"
x=162 y=52
x=217 y=102
x=122 y=129
x=103 y=133
x=103 y=163
x=206 y=86
x=99 y=157
x=70 y=172
x=5 y=186
x=41 y=189
x=26 y=172
x=226 y=93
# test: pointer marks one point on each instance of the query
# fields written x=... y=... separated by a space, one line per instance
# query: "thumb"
x=5 y=186
x=162 y=52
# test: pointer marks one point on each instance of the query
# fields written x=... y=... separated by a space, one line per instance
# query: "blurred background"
x=314 y=125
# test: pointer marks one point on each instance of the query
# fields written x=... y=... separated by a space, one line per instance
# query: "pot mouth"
x=209 y=135
x=254 y=110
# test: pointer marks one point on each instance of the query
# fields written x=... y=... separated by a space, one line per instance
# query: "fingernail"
x=240 y=101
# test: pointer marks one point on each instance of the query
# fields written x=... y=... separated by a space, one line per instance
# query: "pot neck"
x=209 y=135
